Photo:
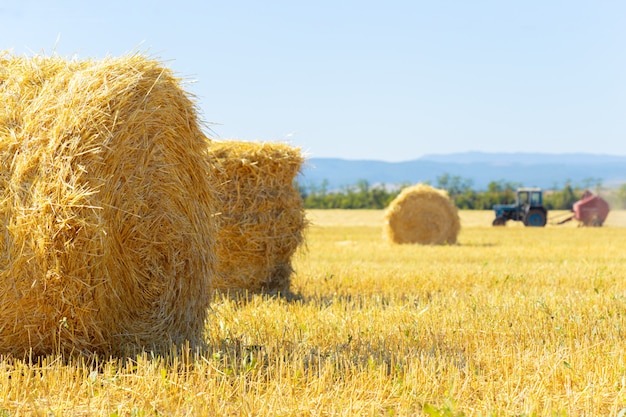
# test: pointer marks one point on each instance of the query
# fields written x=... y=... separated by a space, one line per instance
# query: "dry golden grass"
x=511 y=321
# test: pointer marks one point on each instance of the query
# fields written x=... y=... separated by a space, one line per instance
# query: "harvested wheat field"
x=260 y=216
x=105 y=203
x=511 y=321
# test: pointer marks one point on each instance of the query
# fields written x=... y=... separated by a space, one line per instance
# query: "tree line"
x=363 y=195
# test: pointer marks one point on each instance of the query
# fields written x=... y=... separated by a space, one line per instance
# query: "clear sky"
x=358 y=79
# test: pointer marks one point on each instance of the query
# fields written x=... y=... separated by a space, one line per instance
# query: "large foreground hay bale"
x=105 y=206
x=260 y=217
x=422 y=214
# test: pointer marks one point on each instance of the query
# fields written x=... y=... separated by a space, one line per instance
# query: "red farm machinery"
x=591 y=210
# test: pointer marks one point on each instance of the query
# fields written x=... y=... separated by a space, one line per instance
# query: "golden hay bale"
x=260 y=217
x=107 y=238
x=422 y=214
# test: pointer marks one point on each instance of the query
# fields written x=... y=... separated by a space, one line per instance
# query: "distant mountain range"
x=528 y=169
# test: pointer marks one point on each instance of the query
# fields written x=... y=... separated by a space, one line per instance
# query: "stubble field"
x=510 y=321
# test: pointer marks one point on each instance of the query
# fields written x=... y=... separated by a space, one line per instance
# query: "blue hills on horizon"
x=548 y=171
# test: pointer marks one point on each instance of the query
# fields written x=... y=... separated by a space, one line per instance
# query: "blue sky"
x=390 y=80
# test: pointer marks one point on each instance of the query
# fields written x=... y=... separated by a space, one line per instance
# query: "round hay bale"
x=422 y=214
x=261 y=218
x=105 y=205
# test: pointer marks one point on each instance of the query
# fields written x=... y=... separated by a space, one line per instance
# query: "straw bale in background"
x=105 y=207
x=422 y=214
x=260 y=218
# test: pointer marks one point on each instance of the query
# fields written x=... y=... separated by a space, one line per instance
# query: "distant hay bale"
x=260 y=217
x=422 y=214
x=105 y=204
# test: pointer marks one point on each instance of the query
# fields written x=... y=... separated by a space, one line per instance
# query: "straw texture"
x=260 y=219
x=422 y=214
x=107 y=240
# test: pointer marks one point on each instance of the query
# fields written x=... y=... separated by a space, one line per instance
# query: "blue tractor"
x=528 y=208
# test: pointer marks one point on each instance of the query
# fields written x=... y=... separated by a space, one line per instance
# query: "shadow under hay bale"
x=107 y=238
x=261 y=218
x=422 y=214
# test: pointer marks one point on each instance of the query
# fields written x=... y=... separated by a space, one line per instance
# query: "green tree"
x=562 y=200
x=454 y=185
x=621 y=196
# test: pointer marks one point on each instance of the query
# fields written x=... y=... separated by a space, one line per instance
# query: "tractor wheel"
x=535 y=218
x=499 y=221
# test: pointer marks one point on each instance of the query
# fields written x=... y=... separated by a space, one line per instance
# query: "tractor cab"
x=529 y=197
x=527 y=208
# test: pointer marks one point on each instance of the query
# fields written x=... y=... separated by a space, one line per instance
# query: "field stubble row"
x=520 y=320
x=510 y=321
